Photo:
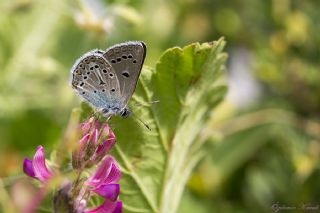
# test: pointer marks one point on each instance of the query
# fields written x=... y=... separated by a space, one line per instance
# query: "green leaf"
x=156 y=164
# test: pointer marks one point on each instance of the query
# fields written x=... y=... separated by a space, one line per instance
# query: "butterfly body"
x=107 y=79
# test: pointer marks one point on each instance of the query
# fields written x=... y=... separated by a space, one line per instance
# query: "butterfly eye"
x=125 y=113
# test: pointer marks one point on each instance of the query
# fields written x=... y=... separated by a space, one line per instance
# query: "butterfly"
x=107 y=79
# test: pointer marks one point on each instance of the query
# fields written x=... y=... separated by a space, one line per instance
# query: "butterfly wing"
x=127 y=60
x=95 y=80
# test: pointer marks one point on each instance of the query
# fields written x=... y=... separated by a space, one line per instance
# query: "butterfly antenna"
x=141 y=121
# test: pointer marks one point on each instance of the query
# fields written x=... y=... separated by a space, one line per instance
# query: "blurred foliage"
x=263 y=149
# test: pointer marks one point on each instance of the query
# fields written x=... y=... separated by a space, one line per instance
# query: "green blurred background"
x=266 y=147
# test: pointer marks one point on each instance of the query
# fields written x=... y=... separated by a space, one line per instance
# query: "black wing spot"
x=86 y=61
x=83 y=93
x=124 y=57
x=113 y=61
x=103 y=90
x=113 y=90
x=104 y=71
x=88 y=73
x=85 y=77
x=96 y=66
x=95 y=91
x=126 y=74
x=118 y=59
x=134 y=61
x=110 y=75
x=129 y=56
x=91 y=68
x=81 y=65
x=81 y=84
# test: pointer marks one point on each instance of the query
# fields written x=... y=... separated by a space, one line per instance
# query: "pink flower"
x=37 y=167
x=97 y=140
x=107 y=172
x=108 y=207
x=104 y=183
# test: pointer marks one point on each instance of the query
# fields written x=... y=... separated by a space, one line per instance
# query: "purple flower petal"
x=105 y=147
x=98 y=124
x=87 y=125
x=79 y=153
x=107 y=172
x=83 y=142
x=112 y=136
x=84 y=139
x=103 y=169
x=118 y=208
x=28 y=168
x=108 y=191
x=39 y=165
x=95 y=136
x=105 y=130
x=106 y=207
x=114 y=174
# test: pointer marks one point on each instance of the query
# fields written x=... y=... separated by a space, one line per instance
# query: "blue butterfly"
x=107 y=79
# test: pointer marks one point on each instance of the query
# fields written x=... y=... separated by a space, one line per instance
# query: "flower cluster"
x=96 y=141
